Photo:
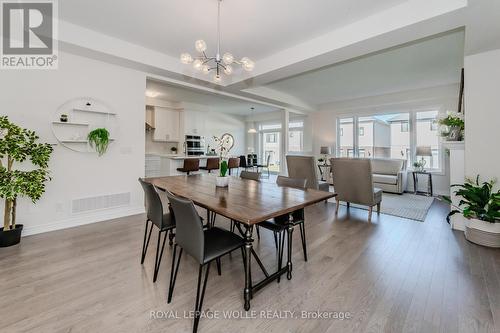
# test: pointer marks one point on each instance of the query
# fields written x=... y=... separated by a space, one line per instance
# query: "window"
x=427 y=137
x=296 y=136
x=395 y=135
x=271 y=138
x=434 y=125
x=346 y=138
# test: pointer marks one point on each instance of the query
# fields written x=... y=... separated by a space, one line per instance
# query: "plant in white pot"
x=224 y=145
x=480 y=205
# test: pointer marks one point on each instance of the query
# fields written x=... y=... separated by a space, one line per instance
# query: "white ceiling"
x=256 y=28
x=217 y=103
x=428 y=63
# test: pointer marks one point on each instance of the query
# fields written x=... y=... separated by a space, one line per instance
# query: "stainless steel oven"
x=194 y=145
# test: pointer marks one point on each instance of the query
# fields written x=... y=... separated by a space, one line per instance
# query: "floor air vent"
x=100 y=202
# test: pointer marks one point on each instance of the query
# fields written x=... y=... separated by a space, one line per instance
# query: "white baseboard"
x=100 y=216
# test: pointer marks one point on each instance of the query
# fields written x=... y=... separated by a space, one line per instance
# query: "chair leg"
x=199 y=298
x=302 y=228
x=173 y=273
x=219 y=269
x=348 y=205
x=145 y=243
x=378 y=208
x=337 y=206
x=370 y=210
x=258 y=232
x=159 y=254
x=171 y=236
x=275 y=240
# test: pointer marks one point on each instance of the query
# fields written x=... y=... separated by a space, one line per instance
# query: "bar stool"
x=233 y=163
x=212 y=164
x=190 y=165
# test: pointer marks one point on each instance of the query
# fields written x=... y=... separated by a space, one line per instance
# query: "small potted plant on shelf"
x=173 y=150
x=99 y=140
x=480 y=205
x=452 y=126
x=18 y=145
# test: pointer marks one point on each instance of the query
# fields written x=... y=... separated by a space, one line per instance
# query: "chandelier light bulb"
x=228 y=70
x=200 y=45
x=205 y=69
x=228 y=58
x=217 y=78
x=186 y=58
x=197 y=64
x=248 y=65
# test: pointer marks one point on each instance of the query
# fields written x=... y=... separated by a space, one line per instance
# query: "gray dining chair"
x=278 y=225
x=204 y=246
x=251 y=176
x=164 y=221
x=353 y=181
x=304 y=167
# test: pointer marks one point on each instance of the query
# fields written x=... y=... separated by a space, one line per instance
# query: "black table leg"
x=415 y=183
x=248 y=273
x=289 y=232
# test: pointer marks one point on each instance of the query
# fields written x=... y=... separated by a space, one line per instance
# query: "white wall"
x=30 y=98
x=324 y=121
x=482 y=115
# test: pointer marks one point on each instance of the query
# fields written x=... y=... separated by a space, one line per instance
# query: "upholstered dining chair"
x=278 y=225
x=252 y=176
x=304 y=167
x=164 y=221
x=204 y=246
x=190 y=165
x=212 y=164
x=354 y=183
x=233 y=163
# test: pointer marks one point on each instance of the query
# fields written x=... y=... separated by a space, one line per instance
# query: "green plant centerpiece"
x=18 y=145
x=452 y=126
x=224 y=144
x=480 y=206
x=99 y=140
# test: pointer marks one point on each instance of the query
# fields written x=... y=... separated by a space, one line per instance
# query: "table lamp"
x=423 y=151
x=325 y=151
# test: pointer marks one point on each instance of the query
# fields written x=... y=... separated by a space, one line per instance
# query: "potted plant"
x=224 y=145
x=99 y=140
x=222 y=180
x=173 y=150
x=480 y=205
x=18 y=145
x=453 y=126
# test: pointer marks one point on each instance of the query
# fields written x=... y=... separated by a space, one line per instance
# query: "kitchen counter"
x=178 y=157
x=161 y=165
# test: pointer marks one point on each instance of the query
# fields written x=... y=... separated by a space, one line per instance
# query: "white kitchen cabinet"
x=167 y=125
x=194 y=122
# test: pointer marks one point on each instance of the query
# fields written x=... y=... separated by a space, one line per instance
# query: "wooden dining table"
x=247 y=202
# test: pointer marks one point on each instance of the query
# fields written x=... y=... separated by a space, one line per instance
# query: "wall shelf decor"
x=84 y=115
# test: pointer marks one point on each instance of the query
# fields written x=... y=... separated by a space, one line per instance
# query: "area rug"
x=409 y=206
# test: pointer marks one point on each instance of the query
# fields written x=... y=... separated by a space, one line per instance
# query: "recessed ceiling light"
x=151 y=93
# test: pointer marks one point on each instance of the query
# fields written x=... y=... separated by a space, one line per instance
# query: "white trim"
x=83 y=220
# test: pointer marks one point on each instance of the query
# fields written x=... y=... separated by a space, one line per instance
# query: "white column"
x=285 y=120
x=457 y=176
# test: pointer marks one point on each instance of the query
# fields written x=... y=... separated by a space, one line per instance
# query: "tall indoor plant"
x=18 y=145
x=480 y=205
x=224 y=145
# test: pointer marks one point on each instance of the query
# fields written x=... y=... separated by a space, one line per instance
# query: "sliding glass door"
x=270 y=145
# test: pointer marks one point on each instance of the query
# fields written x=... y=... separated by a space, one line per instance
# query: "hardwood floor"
x=393 y=275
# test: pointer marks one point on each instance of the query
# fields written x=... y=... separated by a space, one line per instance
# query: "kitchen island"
x=161 y=165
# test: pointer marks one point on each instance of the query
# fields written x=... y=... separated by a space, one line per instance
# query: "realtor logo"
x=29 y=34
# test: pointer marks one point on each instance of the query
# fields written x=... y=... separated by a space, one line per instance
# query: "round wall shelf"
x=84 y=114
